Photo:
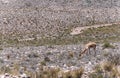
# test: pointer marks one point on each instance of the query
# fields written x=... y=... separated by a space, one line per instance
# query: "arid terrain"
x=43 y=38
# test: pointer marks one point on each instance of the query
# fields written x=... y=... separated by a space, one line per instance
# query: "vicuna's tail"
x=83 y=52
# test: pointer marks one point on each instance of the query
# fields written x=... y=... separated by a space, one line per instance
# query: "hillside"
x=43 y=61
x=21 y=19
x=44 y=38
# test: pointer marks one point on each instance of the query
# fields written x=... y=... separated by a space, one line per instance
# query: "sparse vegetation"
x=41 y=23
x=110 y=68
x=100 y=34
x=98 y=69
x=43 y=63
x=47 y=73
x=72 y=74
x=46 y=59
x=33 y=55
x=107 y=45
x=107 y=66
x=96 y=75
x=71 y=54
x=1 y=48
x=106 y=69
x=12 y=70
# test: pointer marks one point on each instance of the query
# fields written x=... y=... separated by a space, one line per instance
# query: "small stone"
x=6 y=74
x=23 y=75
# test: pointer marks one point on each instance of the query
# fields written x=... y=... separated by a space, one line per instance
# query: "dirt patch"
x=78 y=30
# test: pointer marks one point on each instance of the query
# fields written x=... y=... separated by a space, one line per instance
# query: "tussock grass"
x=98 y=73
x=107 y=45
x=14 y=70
x=95 y=75
x=70 y=54
x=45 y=72
x=107 y=66
x=1 y=48
x=72 y=74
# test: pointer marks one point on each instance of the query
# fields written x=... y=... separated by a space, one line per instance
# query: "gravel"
x=57 y=55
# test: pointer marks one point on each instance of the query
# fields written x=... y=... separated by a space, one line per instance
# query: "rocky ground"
x=36 y=33
x=20 y=18
x=65 y=57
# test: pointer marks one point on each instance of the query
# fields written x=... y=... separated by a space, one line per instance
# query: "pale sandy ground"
x=78 y=30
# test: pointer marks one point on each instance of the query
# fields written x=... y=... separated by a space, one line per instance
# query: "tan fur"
x=88 y=46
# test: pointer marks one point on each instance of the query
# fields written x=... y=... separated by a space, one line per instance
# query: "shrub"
x=107 y=45
x=1 y=48
x=98 y=69
x=71 y=54
x=107 y=66
x=73 y=74
x=98 y=73
x=111 y=70
x=7 y=69
x=95 y=75
x=77 y=73
x=67 y=75
x=48 y=73
x=43 y=63
x=33 y=55
x=47 y=59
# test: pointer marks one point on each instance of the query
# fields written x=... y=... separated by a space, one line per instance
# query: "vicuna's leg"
x=83 y=52
x=89 y=51
x=94 y=50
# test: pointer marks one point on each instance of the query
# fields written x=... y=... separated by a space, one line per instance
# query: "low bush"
x=107 y=45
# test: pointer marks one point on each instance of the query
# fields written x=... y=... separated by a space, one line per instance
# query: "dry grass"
x=98 y=73
x=105 y=70
x=107 y=66
x=108 y=45
x=100 y=34
x=45 y=72
x=110 y=69
x=72 y=74
x=70 y=54
x=14 y=70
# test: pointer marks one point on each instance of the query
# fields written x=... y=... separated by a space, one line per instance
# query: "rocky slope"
x=64 y=57
x=38 y=18
x=26 y=19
